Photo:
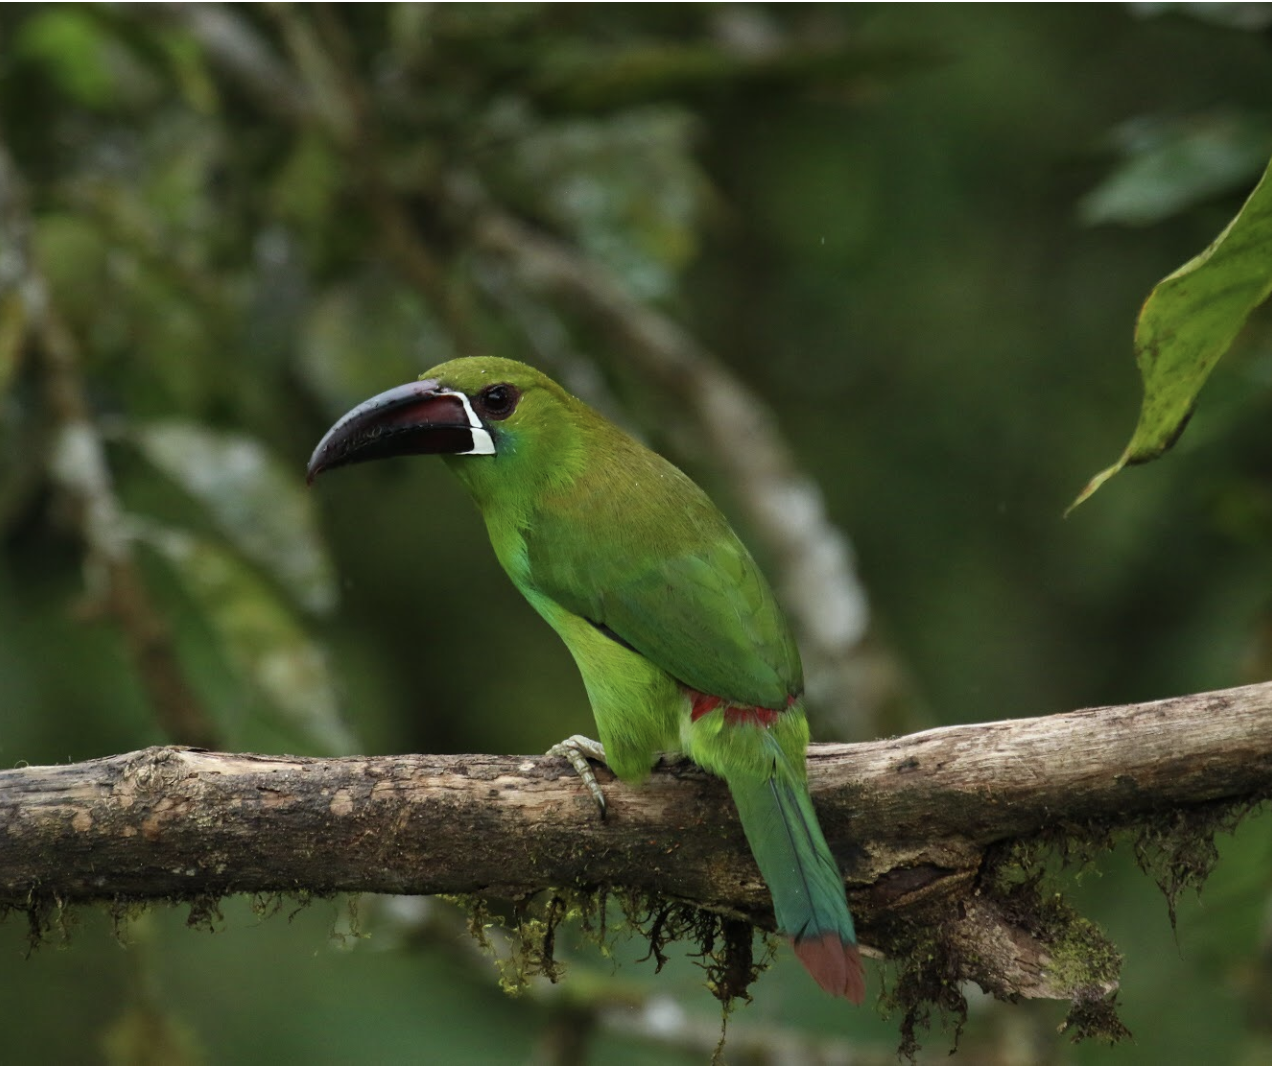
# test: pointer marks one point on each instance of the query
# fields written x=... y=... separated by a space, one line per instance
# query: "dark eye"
x=498 y=401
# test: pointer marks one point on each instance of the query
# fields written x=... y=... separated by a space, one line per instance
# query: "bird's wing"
x=698 y=607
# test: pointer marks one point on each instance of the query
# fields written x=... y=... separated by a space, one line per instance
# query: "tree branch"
x=921 y=825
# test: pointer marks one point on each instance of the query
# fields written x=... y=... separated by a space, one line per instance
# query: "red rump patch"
x=702 y=704
x=760 y=716
x=755 y=715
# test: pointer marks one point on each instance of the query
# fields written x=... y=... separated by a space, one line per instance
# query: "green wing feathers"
x=669 y=577
x=808 y=891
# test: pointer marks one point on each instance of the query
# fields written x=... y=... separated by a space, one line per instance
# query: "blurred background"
x=915 y=237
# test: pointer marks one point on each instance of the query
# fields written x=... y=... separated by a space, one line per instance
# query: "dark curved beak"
x=420 y=418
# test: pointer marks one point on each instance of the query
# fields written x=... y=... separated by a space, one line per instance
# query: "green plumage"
x=661 y=605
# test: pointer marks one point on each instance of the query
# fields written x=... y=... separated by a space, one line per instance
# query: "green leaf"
x=71 y=45
x=261 y=639
x=308 y=183
x=93 y=68
x=1169 y=164
x=1189 y=320
x=257 y=503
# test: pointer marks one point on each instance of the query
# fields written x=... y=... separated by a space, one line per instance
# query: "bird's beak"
x=421 y=418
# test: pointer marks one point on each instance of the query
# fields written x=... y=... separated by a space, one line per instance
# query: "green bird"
x=679 y=639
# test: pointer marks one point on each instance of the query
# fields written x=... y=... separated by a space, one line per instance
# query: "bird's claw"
x=578 y=749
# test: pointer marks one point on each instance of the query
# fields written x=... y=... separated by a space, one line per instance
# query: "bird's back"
x=631 y=544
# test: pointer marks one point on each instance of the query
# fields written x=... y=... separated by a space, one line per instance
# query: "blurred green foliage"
x=889 y=221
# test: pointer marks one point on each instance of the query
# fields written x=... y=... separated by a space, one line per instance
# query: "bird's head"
x=488 y=415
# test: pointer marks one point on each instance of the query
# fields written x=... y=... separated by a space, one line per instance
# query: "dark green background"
x=889 y=235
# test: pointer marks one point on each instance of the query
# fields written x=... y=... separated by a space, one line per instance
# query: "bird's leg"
x=578 y=749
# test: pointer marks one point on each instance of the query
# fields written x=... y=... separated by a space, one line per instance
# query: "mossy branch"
x=932 y=830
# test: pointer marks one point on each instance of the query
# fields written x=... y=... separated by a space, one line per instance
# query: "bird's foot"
x=578 y=749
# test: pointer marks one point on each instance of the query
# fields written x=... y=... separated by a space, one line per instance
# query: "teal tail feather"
x=802 y=876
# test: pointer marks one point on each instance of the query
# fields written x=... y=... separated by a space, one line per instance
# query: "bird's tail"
x=808 y=891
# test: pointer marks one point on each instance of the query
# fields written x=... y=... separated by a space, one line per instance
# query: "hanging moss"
x=1176 y=848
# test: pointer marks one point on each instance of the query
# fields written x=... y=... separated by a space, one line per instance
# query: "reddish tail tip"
x=834 y=965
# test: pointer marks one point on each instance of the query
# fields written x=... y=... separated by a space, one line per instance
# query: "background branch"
x=919 y=824
x=78 y=468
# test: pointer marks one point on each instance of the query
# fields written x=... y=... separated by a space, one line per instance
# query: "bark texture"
x=934 y=831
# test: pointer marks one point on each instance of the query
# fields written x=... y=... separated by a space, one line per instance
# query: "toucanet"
x=679 y=639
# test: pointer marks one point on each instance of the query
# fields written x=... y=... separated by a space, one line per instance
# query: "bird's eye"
x=498 y=401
